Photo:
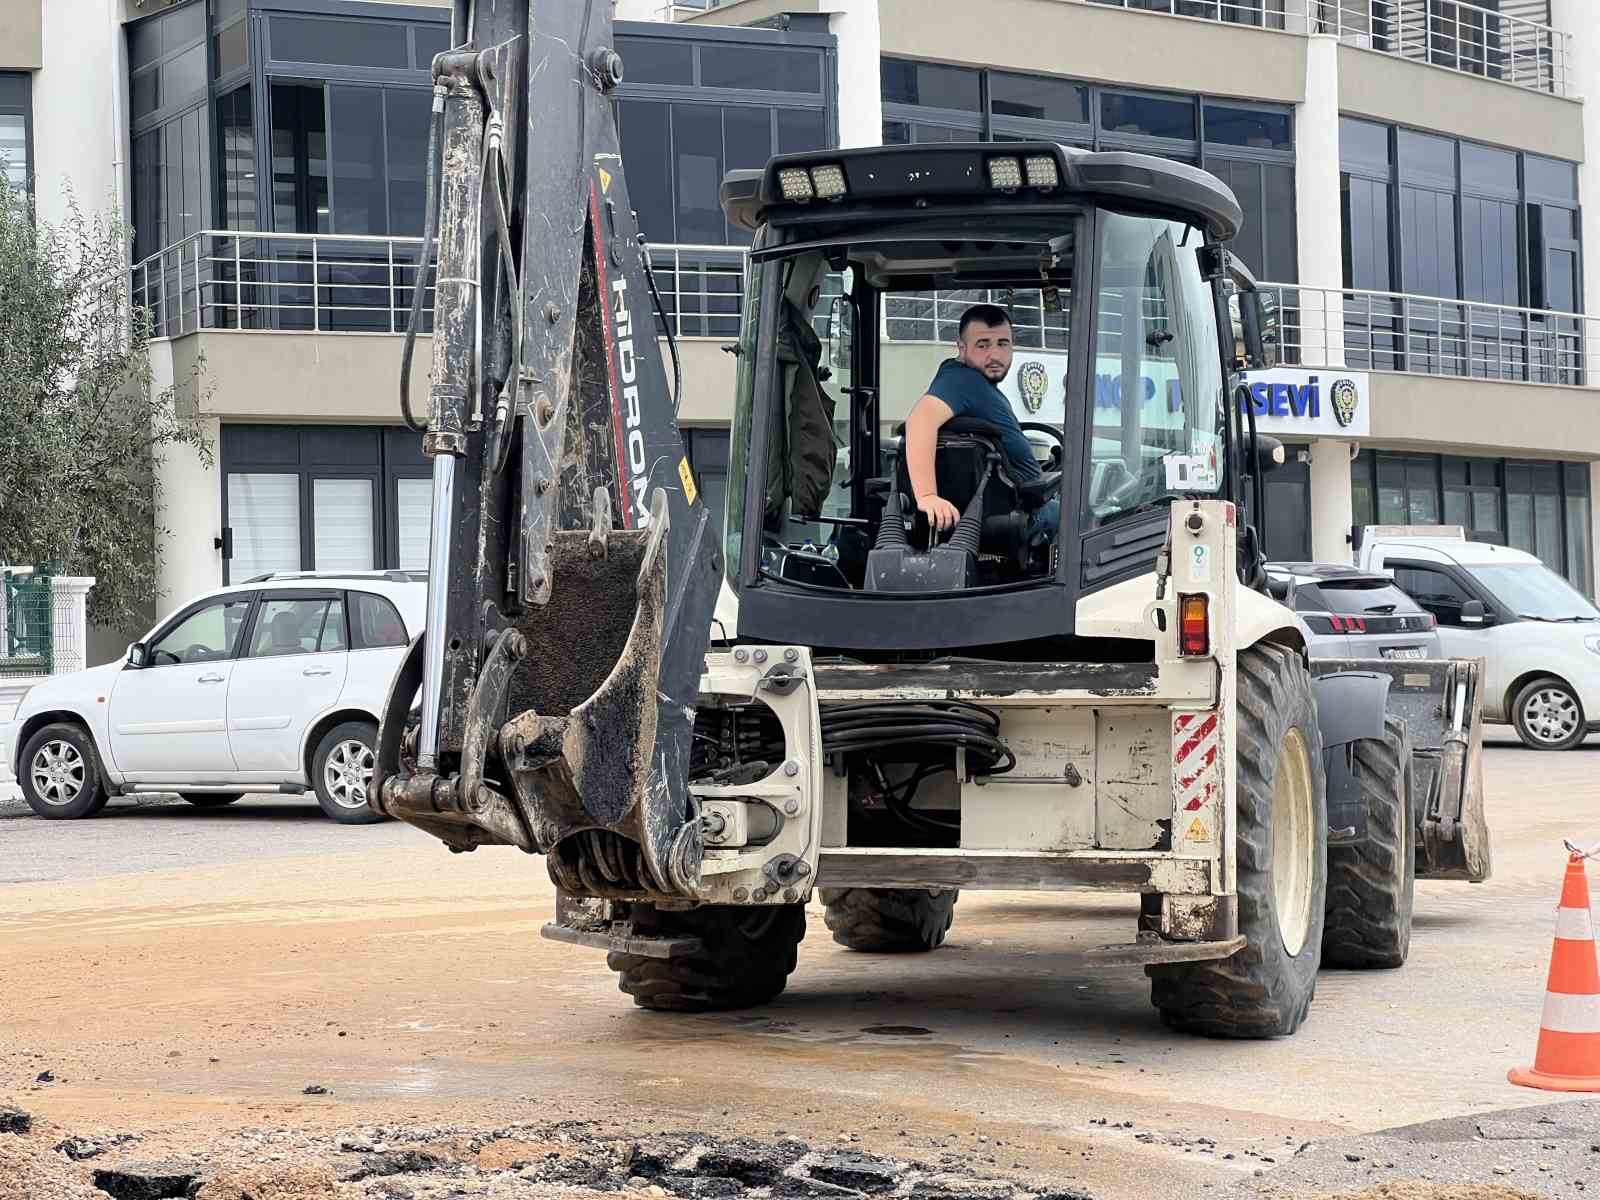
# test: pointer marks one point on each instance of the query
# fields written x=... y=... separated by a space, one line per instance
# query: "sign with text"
x=1292 y=402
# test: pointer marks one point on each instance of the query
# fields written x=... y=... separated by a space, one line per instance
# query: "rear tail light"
x=1429 y=621
x=1194 y=626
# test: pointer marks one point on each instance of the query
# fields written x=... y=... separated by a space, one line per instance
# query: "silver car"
x=1354 y=614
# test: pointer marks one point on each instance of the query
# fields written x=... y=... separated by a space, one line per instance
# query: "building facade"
x=1414 y=176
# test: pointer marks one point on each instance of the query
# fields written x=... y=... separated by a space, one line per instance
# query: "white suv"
x=273 y=685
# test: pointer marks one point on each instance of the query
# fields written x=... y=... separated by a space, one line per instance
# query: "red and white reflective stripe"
x=1571 y=1014
x=1196 y=741
x=1574 y=924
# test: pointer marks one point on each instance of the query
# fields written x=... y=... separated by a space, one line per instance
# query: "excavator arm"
x=572 y=568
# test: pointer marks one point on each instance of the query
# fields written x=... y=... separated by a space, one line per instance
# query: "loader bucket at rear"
x=1441 y=703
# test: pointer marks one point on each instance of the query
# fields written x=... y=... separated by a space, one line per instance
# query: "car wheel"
x=341 y=772
x=61 y=774
x=211 y=799
x=1549 y=716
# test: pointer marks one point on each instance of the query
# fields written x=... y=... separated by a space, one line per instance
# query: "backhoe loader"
x=703 y=726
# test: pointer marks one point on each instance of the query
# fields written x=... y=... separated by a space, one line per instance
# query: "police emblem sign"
x=1288 y=402
x=1033 y=384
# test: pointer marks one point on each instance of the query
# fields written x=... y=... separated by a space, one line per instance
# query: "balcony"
x=1456 y=36
x=1426 y=335
x=333 y=284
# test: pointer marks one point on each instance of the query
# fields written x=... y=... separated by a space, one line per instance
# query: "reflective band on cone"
x=1568 y=1055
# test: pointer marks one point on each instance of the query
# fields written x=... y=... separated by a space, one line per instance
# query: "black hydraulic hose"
x=672 y=342
x=506 y=410
x=880 y=725
x=419 y=284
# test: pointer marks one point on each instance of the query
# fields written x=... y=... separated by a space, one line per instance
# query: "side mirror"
x=1258 y=321
x=136 y=656
x=1473 y=613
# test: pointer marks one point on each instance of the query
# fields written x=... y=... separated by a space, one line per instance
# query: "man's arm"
x=922 y=435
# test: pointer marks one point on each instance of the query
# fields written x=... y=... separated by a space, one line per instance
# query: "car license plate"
x=1403 y=652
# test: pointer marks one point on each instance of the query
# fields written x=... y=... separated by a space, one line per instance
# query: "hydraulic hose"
x=430 y=224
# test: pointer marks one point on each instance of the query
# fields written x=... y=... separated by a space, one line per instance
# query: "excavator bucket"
x=1440 y=701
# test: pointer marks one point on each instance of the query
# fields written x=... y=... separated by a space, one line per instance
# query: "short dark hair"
x=991 y=315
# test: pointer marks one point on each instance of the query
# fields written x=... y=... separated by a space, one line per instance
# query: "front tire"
x=746 y=956
x=341 y=772
x=60 y=775
x=1265 y=989
x=889 y=920
x=1372 y=886
x=1548 y=715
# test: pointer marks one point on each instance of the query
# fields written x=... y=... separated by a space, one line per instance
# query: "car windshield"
x=1533 y=590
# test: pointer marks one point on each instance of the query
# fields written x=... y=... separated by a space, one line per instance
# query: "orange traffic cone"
x=1568 y=1056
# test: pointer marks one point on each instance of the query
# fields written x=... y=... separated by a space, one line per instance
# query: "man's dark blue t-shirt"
x=968 y=393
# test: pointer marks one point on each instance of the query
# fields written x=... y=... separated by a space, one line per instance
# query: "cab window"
x=208 y=634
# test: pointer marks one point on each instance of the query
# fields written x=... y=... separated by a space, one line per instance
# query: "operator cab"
x=863 y=263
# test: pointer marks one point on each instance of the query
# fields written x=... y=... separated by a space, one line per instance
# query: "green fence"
x=27 y=646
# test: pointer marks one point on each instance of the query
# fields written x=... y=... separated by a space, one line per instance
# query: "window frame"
x=171 y=624
x=265 y=596
x=1462 y=579
x=352 y=626
x=24 y=109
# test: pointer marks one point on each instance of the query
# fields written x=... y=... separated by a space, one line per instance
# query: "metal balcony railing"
x=1426 y=335
x=332 y=283
x=1457 y=36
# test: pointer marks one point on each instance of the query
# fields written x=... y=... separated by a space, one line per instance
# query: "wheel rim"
x=1550 y=715
x=1292 y=842
x=347 y=774
x=58 y=772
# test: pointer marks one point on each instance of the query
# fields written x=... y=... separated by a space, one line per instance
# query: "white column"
x=641 y=10
x=1320 y=234
x=78 y=135
x=1331 y=509
x=855 y=25
x=69 y=622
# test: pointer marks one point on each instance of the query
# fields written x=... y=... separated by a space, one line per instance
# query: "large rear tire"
x=1371 y=885
x=1266 y=988
x=745 y=958
x=889 y=920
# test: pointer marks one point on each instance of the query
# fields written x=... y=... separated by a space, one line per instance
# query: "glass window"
x=697 y=172
x=375 y=622
x=229 y=49
x=264 y=514
x=14 y=149
x=182 y=27
x=299 y=159
x=657 y=60
x=1361 y=491
x=1427 y=242
x=208 y=634
x=1485 y=169
x=144 y=93
x=413 y=522
x=1435 y=591
x=1489 y=251
x=144 y=42
x=183 y=76
x=297 y=627
x=236 y=136
x=647 y=151
x=1550 y=179
x=930 y=85
x=342 y=524
x=1150 y=116
x=355 y=142
x=431 y=40
x=406 y=152
x=346 y=43
x=1363 y=144
x=1038 y=97
x=801 y=129
x=1533 y=590
x=1578 y=566
x=1264 y=130
x=761 y=68
x=1425 y=158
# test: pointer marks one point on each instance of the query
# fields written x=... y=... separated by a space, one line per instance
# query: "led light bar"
x=1005 y=173
x=1042 y=171
x=795 y=183
x=829 y=180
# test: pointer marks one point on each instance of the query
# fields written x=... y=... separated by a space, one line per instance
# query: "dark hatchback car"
x=1354 y=614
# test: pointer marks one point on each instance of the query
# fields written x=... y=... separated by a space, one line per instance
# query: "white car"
x=272 y=685
x=1539 y=637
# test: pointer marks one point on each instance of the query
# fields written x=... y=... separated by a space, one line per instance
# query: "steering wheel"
x=1039 y=489
x=199 y=652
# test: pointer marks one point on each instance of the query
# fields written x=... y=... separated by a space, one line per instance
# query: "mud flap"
x=1442 y=705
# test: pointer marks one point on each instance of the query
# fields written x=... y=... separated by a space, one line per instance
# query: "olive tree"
x=81 y=421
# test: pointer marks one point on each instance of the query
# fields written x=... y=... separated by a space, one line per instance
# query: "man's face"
x=986 y=348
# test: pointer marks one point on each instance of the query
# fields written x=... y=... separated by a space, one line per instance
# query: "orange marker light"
x=1194 y=626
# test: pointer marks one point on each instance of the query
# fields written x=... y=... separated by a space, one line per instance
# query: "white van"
x=1539 y=637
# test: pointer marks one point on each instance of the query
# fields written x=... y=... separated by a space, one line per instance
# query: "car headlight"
x=1593 y=642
